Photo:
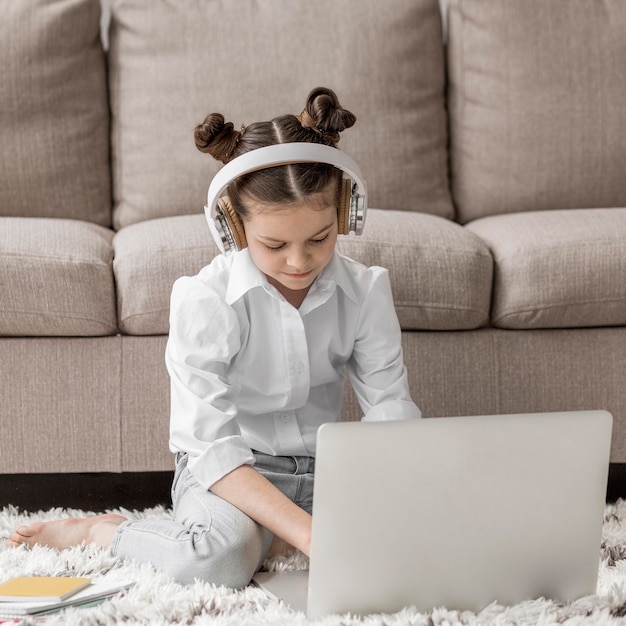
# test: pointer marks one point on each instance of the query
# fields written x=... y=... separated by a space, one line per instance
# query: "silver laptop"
x=456 y=512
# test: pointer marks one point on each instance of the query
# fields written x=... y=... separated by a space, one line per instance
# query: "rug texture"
x=156 y=600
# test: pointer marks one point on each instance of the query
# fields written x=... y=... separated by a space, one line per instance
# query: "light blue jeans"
x=210 y=539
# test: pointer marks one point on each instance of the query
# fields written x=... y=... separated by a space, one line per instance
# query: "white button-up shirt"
x=249 y=371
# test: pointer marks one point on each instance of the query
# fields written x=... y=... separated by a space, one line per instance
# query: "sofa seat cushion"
x=253 y=61
x=557 y=269
x=56 y=278
x=149 y=257
x=54 y=132
x=440 y=273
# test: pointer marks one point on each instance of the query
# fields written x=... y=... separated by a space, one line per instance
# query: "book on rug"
x=41 y=588
x=95 y=591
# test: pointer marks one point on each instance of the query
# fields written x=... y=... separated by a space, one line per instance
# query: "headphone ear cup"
x=343 y=210
x=234 y=223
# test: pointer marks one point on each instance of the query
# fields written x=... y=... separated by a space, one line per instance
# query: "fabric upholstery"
x=145 y=416
x=492 y=372
x=252 y=61
x=56 y=278
x=440 y=274
x=535 y=97
x=149 y=257
x=65 y=390
x=60 y=405
x=557 y=269
x=54 y=132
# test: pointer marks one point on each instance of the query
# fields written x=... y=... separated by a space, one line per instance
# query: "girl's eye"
x=282 y=245
x=322 y=240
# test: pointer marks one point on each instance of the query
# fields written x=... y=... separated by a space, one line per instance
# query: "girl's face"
x=292 y=245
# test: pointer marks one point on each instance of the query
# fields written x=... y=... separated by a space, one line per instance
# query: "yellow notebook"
x=41 y=588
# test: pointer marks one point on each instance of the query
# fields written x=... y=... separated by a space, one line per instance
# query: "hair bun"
x=324 y=114
x=216 y=137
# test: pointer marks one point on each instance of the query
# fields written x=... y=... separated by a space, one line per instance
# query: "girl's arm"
x=204 y=337
x=376 y=368
x=255 y=496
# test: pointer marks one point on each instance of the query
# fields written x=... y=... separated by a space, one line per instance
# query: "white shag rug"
x=156 y=600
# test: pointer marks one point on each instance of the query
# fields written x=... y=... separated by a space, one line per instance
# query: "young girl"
x=259 y=341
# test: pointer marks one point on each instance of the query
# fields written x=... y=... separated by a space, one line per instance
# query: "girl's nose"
x=298 y=258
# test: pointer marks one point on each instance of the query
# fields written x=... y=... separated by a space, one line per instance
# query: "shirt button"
x=300 y=368
x=285 y=417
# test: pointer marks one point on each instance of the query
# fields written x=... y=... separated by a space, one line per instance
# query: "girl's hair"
x=321 y=121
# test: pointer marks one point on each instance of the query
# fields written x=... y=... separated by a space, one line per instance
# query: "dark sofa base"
x=139 y=490
x=89 y=491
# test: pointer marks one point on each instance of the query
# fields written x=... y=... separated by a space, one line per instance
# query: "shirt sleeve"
x=204 y=338
x=376 y=368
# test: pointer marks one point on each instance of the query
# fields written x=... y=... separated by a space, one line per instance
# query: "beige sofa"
x=496 y=165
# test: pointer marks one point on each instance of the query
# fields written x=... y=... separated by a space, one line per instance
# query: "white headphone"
x=225 y=224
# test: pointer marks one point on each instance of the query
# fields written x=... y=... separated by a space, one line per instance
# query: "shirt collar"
x=245 y=276
x=336 y=274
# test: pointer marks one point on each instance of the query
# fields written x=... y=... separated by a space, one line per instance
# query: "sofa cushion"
x=536 y=105
x=54 y=133
x=557 y=269
x=440 y=273
x=56 y=278
x=149 y=257
x=254 y=60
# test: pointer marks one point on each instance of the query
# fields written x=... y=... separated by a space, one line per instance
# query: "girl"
x=258 y=344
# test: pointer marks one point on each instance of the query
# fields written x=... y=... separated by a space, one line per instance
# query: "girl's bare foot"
x=66 y=533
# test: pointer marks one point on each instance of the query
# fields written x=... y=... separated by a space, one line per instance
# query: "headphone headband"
x=284 y=154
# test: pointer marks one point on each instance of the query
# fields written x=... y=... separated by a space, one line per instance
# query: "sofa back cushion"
x=537 y=116
x=54 y=129
x=172 y=63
